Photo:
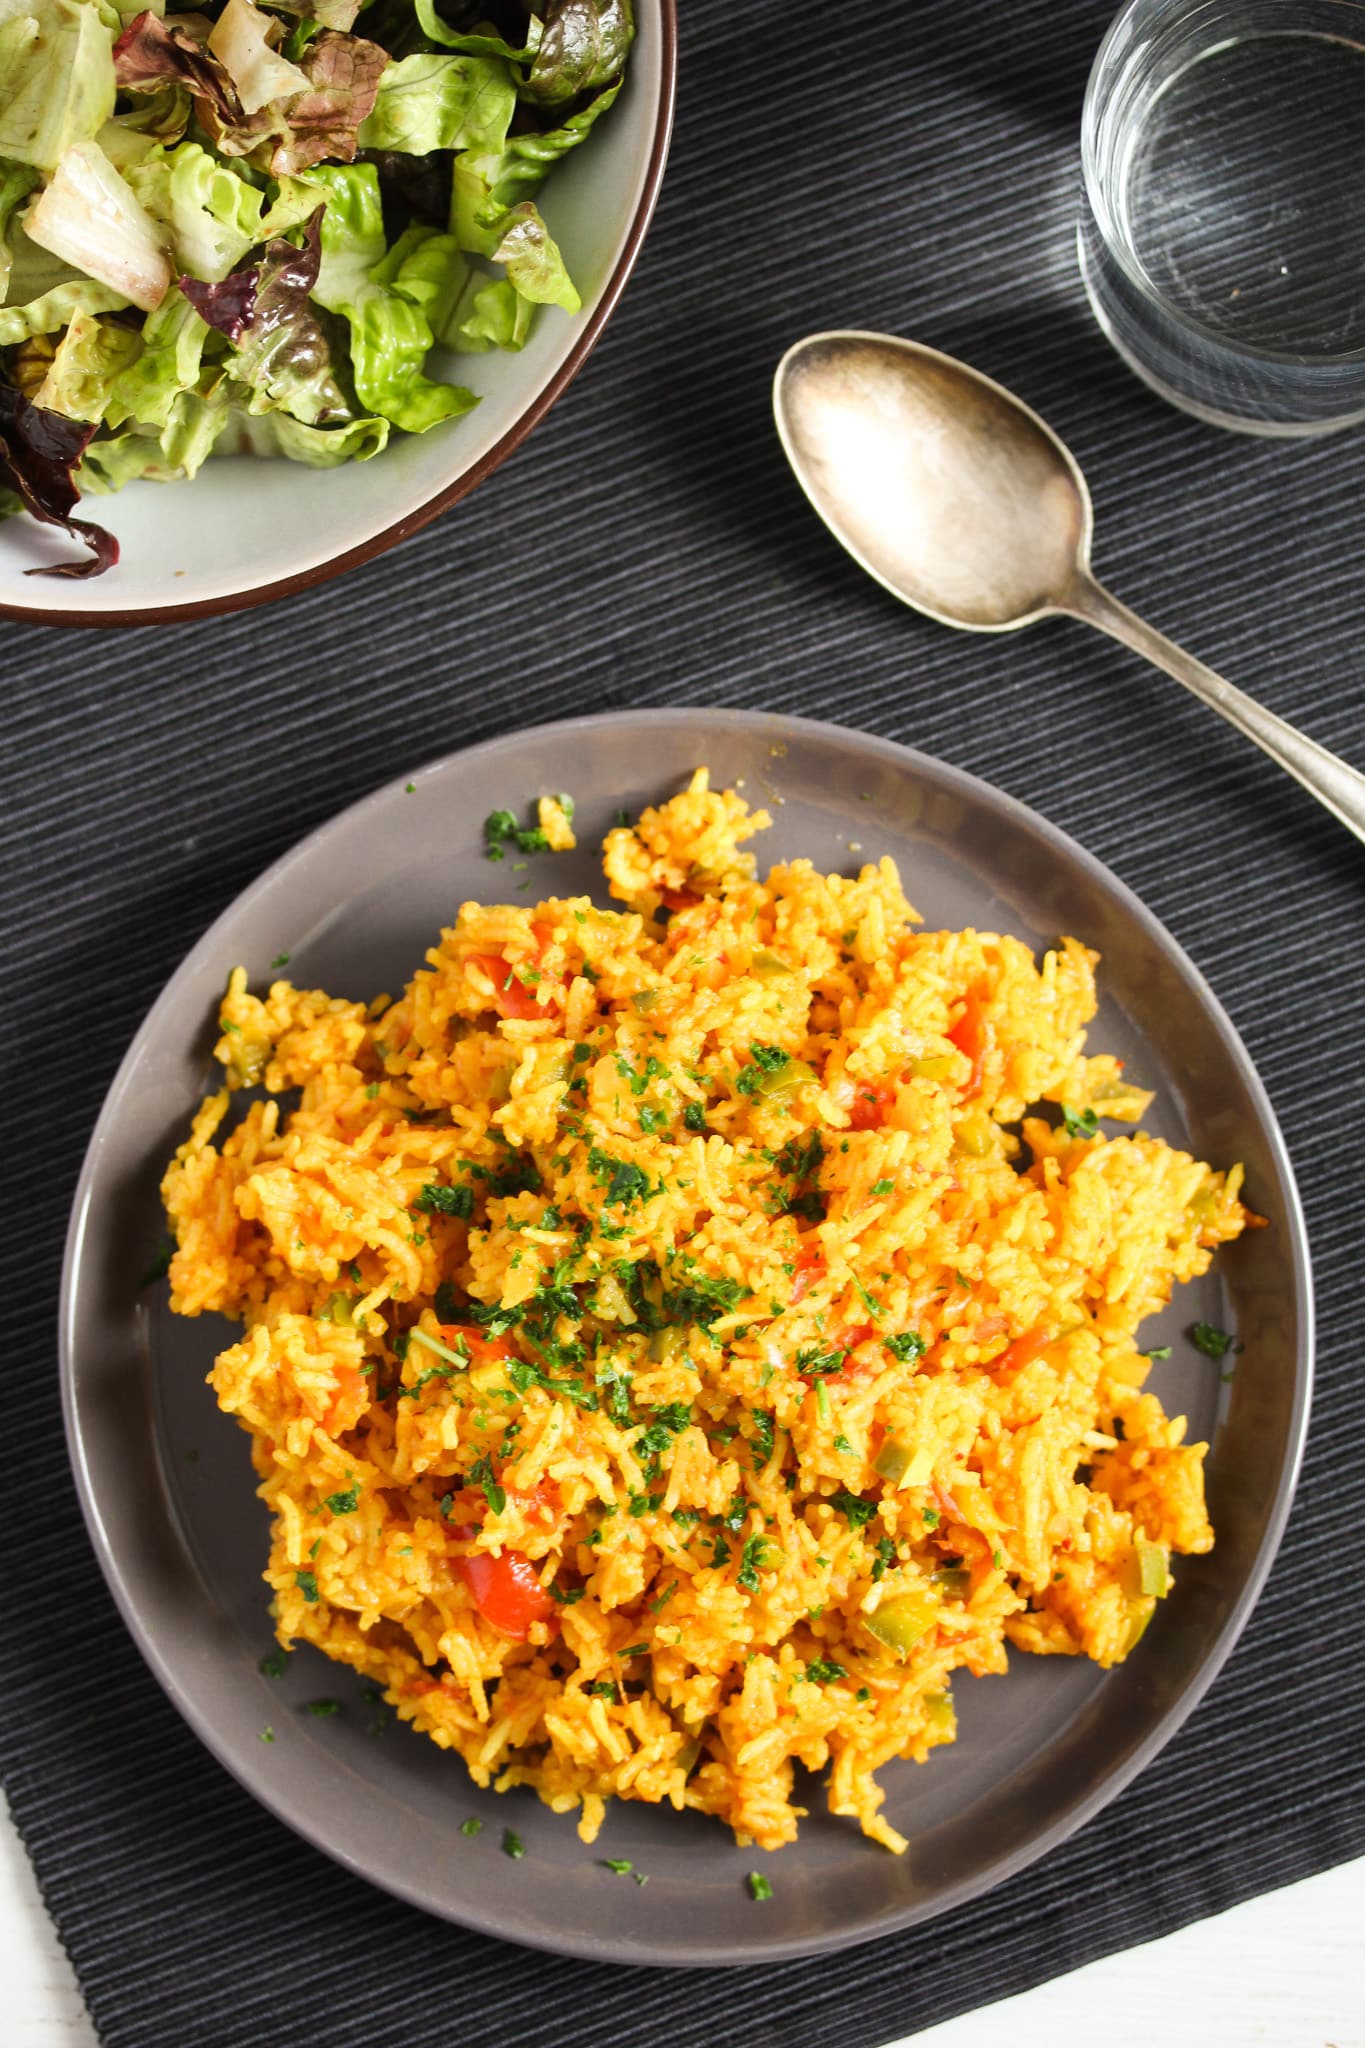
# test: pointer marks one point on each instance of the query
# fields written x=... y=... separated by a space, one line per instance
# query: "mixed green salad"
x=245 y=228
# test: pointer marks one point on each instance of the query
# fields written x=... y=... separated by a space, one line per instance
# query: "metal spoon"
x=960 y=501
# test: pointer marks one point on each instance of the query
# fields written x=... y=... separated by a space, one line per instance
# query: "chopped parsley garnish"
x=813 y=1363
x=620 y=1866
x=501 y=830
x=569 y=1598
x=702 y=1301
x=694 y=1117
x=308 y=1585
x=653 y=1070
x=886 y=1555
x=753 y=1560
x=324 y=1709
x=905 y=1347
x=859 y=1512
x=481 y=1475
x=436 y=1200
x=869 y=1301
x=657 y=1606
x=272 y=1665
x=882 y=1187
x=841 y=1443
x=823 y=1670
x=614 y=1384
x=766 y=1060
x=522 y=1374
x=517 y=1178
x=1157 y=1351
x=760 y=1887
x=512 y=1845
x=266 y=1735
x=496 y=1321
x=344 y=1503
x=604 y=1689
x=801 y=1157
x=472 y=1826
x=161 y=1263
x=653 y=1120
x=623 y=1180
x=765 y=1425
x=635 y=1650
x=1080 y=1123
x=1213 y=1342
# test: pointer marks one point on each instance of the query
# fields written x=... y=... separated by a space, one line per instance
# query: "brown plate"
x=166 y=1481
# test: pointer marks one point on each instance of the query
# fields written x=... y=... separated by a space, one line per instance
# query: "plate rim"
x=1075 y=1813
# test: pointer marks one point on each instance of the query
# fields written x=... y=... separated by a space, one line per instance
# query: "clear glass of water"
x=1222 y=231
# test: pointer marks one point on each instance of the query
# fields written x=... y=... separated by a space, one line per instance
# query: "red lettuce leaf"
x=149 y=55
x=263 y=309
x=38 y=452
x=311 y=127
x=227 y=306
x=343 y=75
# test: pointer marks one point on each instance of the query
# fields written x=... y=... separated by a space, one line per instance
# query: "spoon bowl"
x=960 y=501
x=950 y=492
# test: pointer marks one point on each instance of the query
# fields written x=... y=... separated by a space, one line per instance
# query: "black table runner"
x=906 y=167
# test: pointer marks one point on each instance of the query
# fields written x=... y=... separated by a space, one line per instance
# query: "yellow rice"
x=819 y=1379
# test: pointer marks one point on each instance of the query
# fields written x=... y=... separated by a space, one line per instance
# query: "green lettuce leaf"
x=390 y=335
x=487 y=183
x=214 y=216
x=55 y=309
x=89 y=356
x=275 y=433
x=436 y=31
x=56 y=76
x=584 y=45
x=173 y=340
x=428 y=268
x=16 y=182
x=430 y=102
x=532 y=260
x=176 y=450
x=352 y=230
x=488 y=316
x=161 y=118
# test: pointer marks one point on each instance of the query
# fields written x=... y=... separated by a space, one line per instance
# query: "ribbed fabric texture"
x=911 y=168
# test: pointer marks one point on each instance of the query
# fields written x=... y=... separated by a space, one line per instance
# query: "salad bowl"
x=246 y=530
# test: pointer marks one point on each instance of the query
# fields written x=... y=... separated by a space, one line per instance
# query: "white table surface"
x=1283 y=1971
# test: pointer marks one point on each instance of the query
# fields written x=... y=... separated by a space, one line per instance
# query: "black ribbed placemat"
x=911 y=168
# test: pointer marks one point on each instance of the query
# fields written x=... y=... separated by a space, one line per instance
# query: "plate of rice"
x=732 y=1344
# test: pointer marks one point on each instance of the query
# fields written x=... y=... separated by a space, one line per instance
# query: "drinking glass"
x=1222 y=230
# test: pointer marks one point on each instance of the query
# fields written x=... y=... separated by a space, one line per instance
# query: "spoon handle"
x=1332 y=781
